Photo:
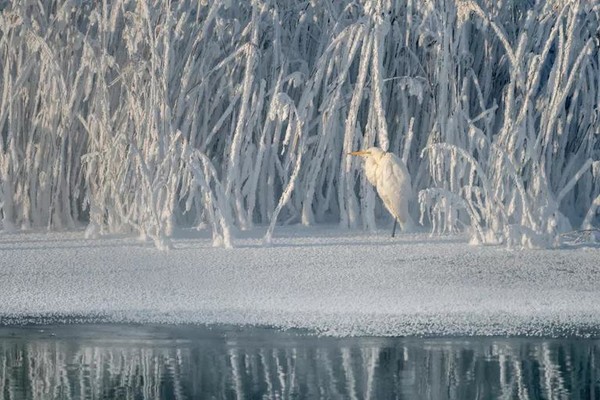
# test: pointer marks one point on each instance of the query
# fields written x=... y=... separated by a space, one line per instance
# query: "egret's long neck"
x=371 y=170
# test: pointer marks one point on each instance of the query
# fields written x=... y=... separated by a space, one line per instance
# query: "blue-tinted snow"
x=326 y=280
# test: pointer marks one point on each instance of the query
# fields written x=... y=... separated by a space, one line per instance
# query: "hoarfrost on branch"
x=140 y=116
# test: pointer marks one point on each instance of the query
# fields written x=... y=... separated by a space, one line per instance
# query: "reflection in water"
x=126 y=362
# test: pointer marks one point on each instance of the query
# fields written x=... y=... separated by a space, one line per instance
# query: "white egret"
x=390 y=177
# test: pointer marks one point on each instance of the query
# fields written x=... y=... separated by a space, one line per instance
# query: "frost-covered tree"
x=140 y=116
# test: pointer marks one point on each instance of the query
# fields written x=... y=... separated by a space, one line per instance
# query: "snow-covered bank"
x=350 y=283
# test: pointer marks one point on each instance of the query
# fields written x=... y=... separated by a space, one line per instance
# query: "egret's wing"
x=395 y=176
x=394 y=187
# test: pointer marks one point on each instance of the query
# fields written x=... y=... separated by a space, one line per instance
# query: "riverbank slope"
x=321 y=279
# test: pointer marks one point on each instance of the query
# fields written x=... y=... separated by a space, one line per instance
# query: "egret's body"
x=391 y=179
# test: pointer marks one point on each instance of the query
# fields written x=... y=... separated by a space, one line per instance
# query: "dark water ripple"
x=142 y=362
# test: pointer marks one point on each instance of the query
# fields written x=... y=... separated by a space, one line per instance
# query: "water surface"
x=188 y=362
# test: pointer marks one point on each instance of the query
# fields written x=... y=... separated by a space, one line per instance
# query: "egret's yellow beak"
x=359 y=153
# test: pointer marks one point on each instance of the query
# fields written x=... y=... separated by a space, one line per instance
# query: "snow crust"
x=322 y=279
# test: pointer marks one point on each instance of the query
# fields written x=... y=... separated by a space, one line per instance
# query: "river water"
x=191 y=362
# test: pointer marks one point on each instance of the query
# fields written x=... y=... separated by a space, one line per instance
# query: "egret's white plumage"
x=390 y=177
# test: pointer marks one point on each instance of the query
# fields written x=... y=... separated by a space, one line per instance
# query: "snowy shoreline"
x=321 y=279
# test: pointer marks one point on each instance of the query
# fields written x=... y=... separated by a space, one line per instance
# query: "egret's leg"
x=394 y=228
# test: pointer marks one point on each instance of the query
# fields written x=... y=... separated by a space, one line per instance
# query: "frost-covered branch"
x=142 y=116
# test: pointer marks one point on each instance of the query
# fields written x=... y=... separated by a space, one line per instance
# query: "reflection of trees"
x=300 y=367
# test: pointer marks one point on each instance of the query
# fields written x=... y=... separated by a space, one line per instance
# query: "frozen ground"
x=349 y=283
